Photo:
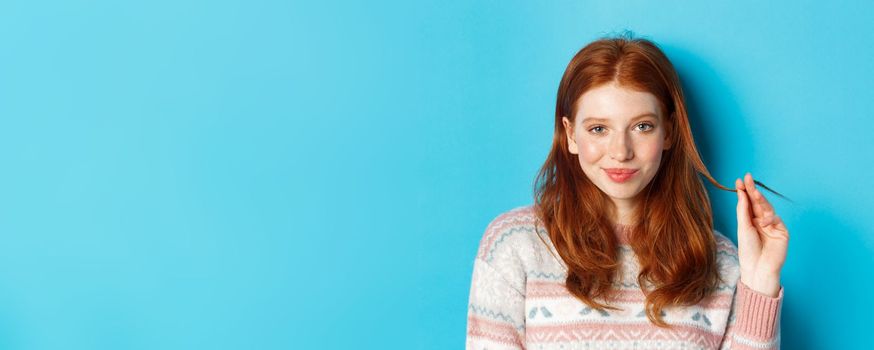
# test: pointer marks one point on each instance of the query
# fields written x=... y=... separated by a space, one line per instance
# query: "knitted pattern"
x=518 y=300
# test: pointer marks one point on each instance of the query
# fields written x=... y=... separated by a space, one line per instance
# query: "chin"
x=624 y=196
x=626 y=193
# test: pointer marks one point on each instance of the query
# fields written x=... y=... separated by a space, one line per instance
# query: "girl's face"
x=616 y=128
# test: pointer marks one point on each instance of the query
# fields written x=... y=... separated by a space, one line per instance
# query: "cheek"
x=590 y=152
x=650 y=150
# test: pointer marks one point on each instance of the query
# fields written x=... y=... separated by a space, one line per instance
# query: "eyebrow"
x=632 y=119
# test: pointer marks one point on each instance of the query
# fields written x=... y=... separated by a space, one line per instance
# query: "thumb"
x=743 y=205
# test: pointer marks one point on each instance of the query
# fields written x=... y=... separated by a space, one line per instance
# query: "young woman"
x=618 y=250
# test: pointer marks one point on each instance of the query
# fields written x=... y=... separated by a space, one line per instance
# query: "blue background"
x=274 y=175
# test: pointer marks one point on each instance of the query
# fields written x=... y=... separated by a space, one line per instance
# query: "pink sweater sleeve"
x=754 y=320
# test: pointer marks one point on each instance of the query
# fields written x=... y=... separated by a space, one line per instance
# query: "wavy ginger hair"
x=672 y=234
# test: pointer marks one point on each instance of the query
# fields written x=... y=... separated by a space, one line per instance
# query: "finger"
x=777 y=224
x=780 y=224
x=743 y=205
x=782 y=228
x=767 y=208
x=764 y=222
x=755 y=196
x=746 y=232
x=761 y=206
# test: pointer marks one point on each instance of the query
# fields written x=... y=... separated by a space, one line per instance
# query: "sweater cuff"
x=758 y=314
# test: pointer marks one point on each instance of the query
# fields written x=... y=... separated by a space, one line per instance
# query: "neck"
x=624 y=212
x=622 y=231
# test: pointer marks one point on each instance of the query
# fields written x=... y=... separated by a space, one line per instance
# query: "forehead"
x=613 y=103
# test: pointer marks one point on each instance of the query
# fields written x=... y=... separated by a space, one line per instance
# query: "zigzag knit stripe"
x=620 y=332
x=495 y=331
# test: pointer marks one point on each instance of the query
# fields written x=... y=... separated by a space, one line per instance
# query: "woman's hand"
x=762 y=239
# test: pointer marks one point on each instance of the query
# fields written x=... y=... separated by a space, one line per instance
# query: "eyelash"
x=599 y=126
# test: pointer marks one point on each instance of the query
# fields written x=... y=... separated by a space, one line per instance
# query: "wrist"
x=764 y=284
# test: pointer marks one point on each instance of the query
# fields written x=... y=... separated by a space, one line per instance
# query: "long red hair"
x=673 y=231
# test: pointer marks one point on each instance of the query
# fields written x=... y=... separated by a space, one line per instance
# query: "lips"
x=620 y=171
x=620 y=175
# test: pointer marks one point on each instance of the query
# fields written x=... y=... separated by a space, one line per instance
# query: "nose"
x=620 y=147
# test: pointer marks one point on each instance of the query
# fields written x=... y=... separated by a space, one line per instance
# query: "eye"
x=596 y=127
x=647 y=124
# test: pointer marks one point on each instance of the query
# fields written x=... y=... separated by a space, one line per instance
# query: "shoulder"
x=727 y=259
x=724 y=244
x=511 y=234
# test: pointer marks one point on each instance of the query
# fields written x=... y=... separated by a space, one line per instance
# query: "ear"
x=569 y=133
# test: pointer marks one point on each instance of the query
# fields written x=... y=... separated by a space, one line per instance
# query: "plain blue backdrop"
x=317 y=175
